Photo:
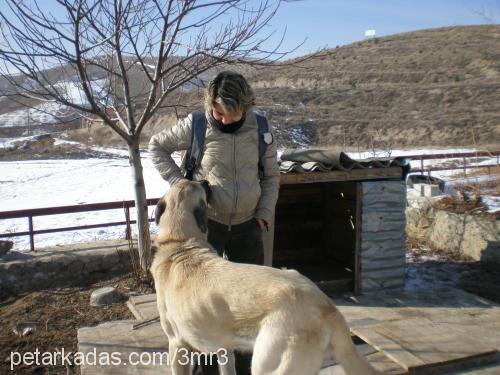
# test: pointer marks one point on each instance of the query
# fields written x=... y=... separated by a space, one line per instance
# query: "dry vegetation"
x=55 y=316
x=427 y=88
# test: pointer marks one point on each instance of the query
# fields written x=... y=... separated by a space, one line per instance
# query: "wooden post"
x=32 y=235
x=128 y=233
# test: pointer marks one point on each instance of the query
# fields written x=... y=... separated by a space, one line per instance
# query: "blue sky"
x=328 y=23
x=335 y=22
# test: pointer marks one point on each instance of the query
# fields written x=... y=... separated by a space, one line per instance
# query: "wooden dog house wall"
x=343 y=230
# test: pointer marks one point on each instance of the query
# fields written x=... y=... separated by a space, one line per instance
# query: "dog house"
x=342 y=223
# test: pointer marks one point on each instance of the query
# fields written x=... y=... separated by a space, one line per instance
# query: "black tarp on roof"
x=311 y=160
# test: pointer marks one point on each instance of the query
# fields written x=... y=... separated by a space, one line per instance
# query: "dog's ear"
x=159 y=210
x=200 y=214
x=208 y=190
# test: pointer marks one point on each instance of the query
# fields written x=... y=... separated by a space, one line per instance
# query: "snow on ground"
x=50 y=183
x=45 y=113
x=51 y=112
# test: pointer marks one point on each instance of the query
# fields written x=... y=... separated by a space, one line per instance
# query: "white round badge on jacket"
x=268 y=138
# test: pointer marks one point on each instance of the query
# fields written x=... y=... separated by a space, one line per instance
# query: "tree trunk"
x=144 y=240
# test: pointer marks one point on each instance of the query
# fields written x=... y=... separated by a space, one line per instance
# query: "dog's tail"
x=344 y=350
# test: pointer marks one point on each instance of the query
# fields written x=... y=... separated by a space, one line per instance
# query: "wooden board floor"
x=427 y=331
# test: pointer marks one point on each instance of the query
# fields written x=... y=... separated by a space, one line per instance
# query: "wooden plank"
x=423 y=342
x=389 y=347
x=119 y=337
x=143 y=307
x=376 y=359
x=470 y=362
x=353 y=175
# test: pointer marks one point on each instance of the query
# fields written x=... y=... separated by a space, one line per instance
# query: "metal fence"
x=463 y=165
x=126 y=205
x=31 y=213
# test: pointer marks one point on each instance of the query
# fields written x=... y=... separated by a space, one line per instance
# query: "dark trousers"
x=241 y=244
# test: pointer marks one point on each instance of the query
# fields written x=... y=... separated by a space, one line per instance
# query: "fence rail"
x=126 y=205
x=34 y=212
x=464 y=156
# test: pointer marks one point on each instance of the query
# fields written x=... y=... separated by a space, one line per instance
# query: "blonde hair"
x=231 y=91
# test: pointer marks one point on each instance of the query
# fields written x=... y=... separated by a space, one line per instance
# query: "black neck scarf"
x=228 y=128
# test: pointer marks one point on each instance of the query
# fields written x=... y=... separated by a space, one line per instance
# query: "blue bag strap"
x=263 y=129
x=199 y=127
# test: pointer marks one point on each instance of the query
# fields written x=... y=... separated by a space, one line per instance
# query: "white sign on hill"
x=370 y=33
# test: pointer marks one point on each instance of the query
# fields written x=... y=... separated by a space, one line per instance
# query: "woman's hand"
x=263 y=224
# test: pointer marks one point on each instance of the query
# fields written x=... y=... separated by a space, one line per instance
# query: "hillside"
x=438 y=87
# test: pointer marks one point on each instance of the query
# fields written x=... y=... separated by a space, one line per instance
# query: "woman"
x=244 y=188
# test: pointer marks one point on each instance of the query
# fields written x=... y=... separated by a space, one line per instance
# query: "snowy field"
x=49 y=183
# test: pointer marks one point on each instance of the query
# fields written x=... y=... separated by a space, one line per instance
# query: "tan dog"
x=207 y=303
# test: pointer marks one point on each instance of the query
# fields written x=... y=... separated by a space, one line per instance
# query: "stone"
x=477 y=237
x=105 y=296
x=481 y=239
x=5 y=246
x=418 y=222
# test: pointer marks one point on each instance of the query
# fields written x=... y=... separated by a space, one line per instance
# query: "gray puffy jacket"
x=231 y=166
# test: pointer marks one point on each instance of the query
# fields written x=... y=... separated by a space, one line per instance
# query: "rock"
x=477 y=237
x=447 y=231
x=105 y=296
x=5 y=246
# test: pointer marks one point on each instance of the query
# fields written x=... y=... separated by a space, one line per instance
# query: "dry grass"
x=469 y=201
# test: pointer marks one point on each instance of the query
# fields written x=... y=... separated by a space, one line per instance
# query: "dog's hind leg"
x=277 y=355
x=179 y=356
x=226 y=362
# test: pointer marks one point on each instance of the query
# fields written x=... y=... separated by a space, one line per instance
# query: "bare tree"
x=119 y=60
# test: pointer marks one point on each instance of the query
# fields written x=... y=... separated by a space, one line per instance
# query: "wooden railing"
x=31 y=213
